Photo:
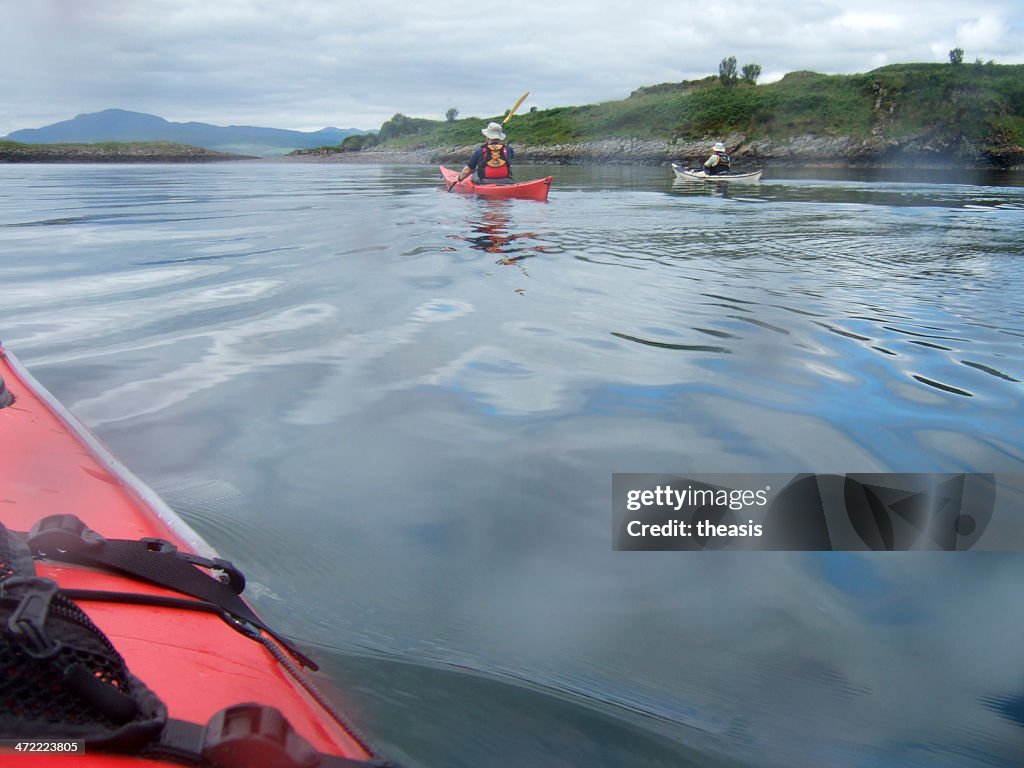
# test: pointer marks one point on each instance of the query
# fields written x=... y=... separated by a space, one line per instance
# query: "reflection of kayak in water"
x=120 y=629
x=533 y=190
x=691 y=174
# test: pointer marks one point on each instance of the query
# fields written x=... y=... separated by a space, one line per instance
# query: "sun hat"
x=493 y=131
x=719 y=147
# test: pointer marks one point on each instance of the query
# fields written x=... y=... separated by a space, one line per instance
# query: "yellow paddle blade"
x=513 y=110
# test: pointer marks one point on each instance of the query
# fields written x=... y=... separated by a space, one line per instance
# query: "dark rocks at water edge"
x=920 y=151
x=135 y=152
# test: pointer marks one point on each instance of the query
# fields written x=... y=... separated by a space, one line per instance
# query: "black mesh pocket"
x=59 y=674
x=15 y=556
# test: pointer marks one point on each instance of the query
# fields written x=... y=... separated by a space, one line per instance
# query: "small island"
x=111 y=152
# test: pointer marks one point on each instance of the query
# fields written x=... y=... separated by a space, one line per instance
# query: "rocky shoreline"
x=923 y=151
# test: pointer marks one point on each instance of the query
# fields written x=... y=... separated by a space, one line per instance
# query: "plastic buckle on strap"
x=65 y=533
x=255 y=736
x=28 y=622
x=235 y=578
x=231 y=576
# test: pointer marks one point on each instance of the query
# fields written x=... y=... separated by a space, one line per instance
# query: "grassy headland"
x=956 y=114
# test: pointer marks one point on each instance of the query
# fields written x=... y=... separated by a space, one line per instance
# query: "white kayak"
x=691 y=174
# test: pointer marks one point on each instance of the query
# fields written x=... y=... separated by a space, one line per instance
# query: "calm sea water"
x=399 y=410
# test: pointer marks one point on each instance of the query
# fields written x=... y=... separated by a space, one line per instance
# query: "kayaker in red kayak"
x=490 y=163
x=718 y=162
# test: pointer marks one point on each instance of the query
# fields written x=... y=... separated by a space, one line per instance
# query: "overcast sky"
x=307 y=64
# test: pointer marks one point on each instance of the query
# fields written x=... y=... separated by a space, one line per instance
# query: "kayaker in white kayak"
x=490 y=163
x=718 y=162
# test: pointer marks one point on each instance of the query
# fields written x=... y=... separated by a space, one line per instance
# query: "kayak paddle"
x=513 y=110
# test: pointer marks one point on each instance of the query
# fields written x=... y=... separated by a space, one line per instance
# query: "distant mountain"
x=122 y=125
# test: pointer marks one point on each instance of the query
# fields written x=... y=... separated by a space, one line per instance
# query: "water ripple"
x=666 y=345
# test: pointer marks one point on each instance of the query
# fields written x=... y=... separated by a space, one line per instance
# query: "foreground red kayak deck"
x=530 y=190
x=50 y=464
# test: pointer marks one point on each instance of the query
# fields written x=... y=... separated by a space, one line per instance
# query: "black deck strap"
x=161 y=601
x=243 y=736
x=231 y=576
x=65 y=538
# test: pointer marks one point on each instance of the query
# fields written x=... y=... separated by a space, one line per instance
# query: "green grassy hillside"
x=983 y=103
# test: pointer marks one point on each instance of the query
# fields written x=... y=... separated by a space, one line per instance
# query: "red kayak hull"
x=530 y=190
x=51 y=464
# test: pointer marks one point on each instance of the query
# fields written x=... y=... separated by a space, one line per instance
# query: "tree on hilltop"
x=727 y=71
